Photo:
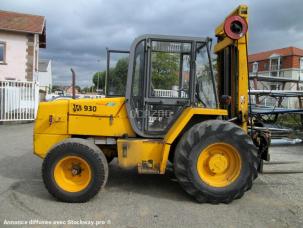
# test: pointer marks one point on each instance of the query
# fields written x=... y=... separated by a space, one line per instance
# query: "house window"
x=2 y=52
x=301 y=63
x=275 y=87
x=255 y=67
x=273 y=73
x=265 y=66
x=275 y=65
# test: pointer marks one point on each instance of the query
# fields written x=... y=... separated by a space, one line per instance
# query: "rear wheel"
x=74 y=170
x=216 y=162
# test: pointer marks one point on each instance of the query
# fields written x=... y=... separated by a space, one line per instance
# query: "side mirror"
x=225 y=99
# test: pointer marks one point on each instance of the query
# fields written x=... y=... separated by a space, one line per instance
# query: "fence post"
x=37 y=99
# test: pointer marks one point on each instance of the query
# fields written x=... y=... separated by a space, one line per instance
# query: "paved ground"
x=131 y=200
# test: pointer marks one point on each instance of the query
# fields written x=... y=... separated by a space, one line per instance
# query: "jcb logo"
x=87 y=108
x=77 y=108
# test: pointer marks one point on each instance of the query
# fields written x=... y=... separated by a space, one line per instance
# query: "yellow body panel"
x=57 y=114
x=99 y=117
x=186 y=115
x=43 y=143
x=135 y=152
x=50 y=126
x=100 y=126
x=58 y=120
x=98 y=107
x=223 y=44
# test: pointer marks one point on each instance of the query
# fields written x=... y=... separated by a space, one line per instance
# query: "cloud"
x=78 y=32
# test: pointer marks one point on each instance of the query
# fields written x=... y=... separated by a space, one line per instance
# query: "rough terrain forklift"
x=176 y=105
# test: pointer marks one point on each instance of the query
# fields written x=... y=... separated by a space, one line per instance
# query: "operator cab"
x=165 y=75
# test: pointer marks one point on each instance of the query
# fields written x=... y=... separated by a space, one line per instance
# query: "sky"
x=78 y=31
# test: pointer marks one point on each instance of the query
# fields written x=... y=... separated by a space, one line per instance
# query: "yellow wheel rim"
x=72 y=174
x=219 y=165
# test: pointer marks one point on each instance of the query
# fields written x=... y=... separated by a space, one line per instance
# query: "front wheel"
x=216 y=162
x=74 y=170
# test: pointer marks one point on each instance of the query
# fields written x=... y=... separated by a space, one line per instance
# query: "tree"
x=56 y=88
x=86 y=90
x=165 y=73
x=99 y=80
x=119 y=76
x=165 y=70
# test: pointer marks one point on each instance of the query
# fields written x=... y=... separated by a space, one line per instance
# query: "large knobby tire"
x=74 y=170
x=216 y=162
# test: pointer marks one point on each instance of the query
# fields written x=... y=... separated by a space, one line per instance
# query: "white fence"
x=169 y=93
x=18 y=100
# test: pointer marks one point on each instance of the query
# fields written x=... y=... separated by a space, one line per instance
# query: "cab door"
x=167 y=83
x=159 y=83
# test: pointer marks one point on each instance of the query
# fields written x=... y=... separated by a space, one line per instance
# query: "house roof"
x=26 y=23
x=43 y=64
x=278 y=52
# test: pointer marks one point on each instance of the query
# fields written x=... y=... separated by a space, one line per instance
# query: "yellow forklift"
x=174 y=105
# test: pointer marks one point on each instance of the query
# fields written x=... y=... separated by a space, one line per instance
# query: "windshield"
x=170 y=69
x=205 y=92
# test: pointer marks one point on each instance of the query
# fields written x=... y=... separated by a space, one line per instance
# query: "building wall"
x=288 y=62
x=69 y=90
x=45 y=78
x=32 y=57
x=289 y=68
x=15 y=66
x=21 y=55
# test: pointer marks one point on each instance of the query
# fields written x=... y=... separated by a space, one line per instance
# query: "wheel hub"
x=72 y=173
x=218 y=163
x=76 y=169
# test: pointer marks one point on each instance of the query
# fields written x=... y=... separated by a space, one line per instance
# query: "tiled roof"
x=26 y=23
x=11 y=21
x=282 y=51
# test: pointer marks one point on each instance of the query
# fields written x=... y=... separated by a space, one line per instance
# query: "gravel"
x=133 y=200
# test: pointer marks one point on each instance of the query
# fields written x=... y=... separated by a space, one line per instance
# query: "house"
x=278 y=69
x=284 y=62
x=69 y=90
x=45 y=75
x=21 y=36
